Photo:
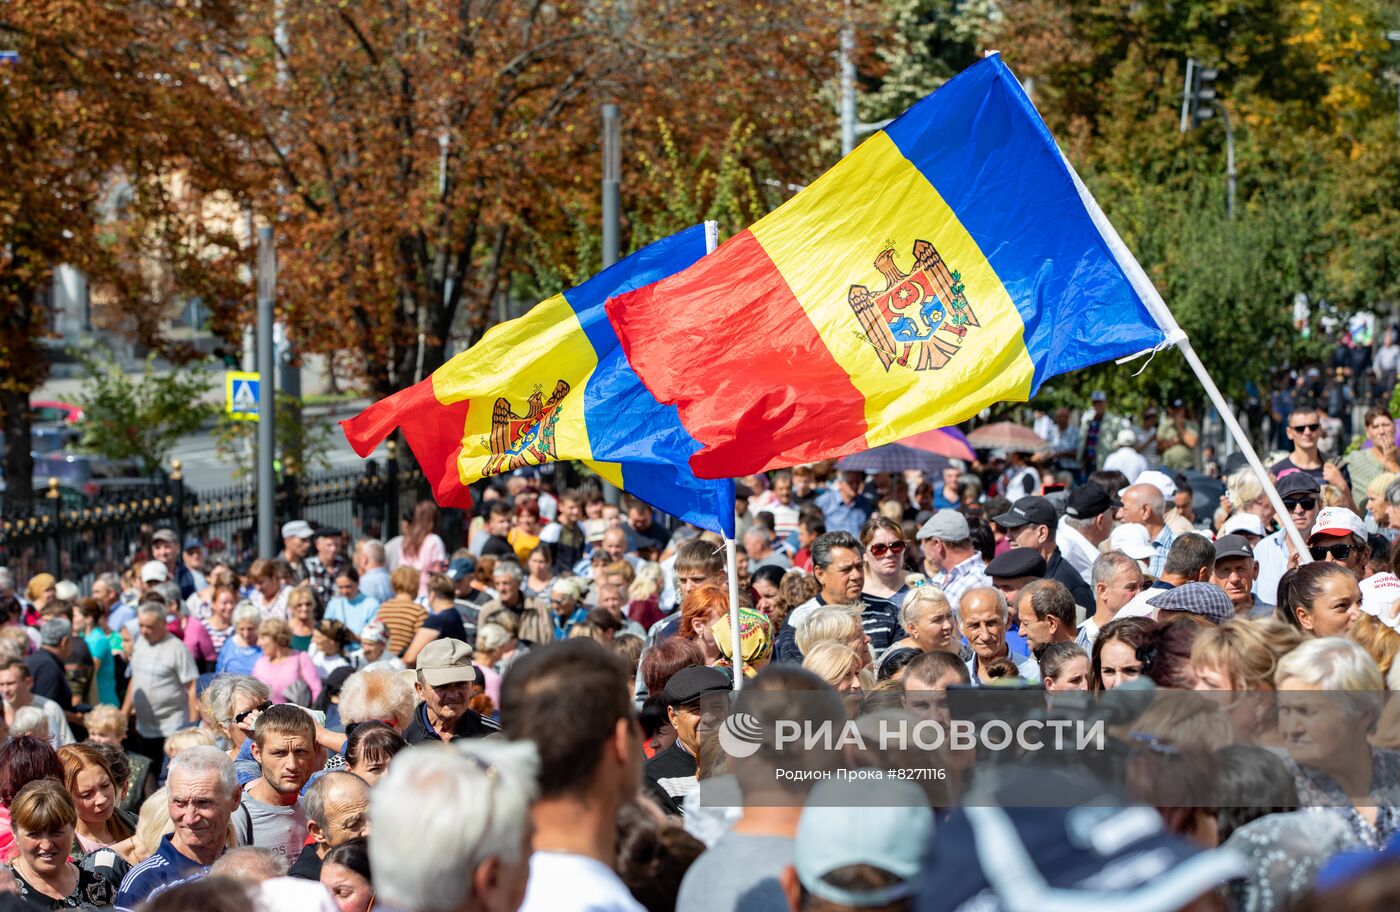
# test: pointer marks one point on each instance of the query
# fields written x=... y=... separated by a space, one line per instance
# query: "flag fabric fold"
x=951 y=261
x=553 y=385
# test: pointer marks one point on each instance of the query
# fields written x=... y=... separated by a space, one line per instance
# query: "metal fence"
x=77 y=541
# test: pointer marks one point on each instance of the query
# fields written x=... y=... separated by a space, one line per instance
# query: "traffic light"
x=1198 y=96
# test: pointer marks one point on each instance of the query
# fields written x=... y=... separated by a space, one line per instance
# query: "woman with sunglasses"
x=885 y=588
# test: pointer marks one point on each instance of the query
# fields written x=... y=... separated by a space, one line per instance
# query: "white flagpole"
x=1163 y=315
x=731 y=550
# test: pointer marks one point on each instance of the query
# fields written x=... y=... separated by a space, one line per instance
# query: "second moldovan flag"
x=952 y=261
x=553 y=385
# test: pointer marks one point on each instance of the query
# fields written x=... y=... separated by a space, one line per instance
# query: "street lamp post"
x=267 y=481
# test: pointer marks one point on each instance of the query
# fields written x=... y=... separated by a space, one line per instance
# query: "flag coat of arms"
x=953 y=260
x=551 y=385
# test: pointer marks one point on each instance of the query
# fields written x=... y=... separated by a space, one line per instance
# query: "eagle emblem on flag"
x=528 y=439
x=920 y=318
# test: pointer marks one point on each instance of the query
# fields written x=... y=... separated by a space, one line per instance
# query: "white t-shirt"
x=562 y=882
x=1126 y=460
x=1138 y=607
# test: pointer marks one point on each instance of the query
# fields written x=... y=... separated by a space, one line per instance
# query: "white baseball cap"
x=1133 y=540
x=1159 y=480
x=297 y=528
x=1243 y=524
x=1379 y=594
x=1338 y=521
x=154 y=572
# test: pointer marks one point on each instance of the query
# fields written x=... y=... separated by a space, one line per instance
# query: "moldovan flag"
x=550 y=385
x=952 y=261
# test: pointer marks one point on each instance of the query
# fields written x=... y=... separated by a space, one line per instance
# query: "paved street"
x=204 y=469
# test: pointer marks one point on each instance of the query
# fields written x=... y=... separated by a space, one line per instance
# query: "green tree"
x=295 y=432
x=141 y=417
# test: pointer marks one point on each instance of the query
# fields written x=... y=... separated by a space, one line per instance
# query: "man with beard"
x=271 y=815
x=447 y=681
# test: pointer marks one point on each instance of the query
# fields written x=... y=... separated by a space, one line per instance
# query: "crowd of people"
x=530 y=721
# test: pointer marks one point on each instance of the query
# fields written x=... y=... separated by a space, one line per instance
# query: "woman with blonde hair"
x=280 y=666
x=1241 y=654
x=95 y=792
x=302 y=605
x=1377 y=507
x=837 y=624
x=928 y=620
x=837 y=664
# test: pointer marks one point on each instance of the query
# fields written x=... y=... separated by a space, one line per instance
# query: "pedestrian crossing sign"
x=241 y=395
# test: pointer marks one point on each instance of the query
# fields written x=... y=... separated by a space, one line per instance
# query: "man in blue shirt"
x=202 y=794
x=374 y=576
x=847 y=507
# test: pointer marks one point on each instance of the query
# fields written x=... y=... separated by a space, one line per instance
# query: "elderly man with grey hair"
x=372 y=563
x=984 y=613
x=201 y=794
x=161 y=693
x=46 y=666
x=107 y=589
x=479 y=831
x=337 y=811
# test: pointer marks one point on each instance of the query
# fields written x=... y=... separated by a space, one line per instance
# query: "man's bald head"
x=250 y=864
x=1143 y=503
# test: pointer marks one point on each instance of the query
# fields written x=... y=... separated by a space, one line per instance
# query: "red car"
x=49 y=412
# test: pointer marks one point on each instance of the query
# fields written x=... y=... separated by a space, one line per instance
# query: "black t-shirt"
x=448 y=625
x=495 y=546
x=50 y=678
x=308 y=865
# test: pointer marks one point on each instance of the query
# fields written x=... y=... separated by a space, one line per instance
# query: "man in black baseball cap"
x=1302 y=495
x=670 y=775
x=1032 y=523
x=1235 y=572
x=1087 y=523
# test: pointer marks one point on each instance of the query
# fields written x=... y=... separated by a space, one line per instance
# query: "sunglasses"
x=264 y=707
x=1307 y=503
x=1305 y=427
x=881 y=549
x=1338 y=552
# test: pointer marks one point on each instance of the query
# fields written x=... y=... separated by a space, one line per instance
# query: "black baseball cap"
x=690 y=684
x=1028 y=510
x=1232 y=546
x=1088 y=501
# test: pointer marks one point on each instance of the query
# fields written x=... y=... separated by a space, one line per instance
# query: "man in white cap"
x=153 y=573
x=1126 y=458
x=296 y=544
x=950 y=561
x=1339 y=536
x=880 y=828
x=447 y=681
x=1246 y=525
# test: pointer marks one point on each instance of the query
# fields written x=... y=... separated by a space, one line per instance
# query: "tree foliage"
x=97 y=127
x=1314 y=120
x=141 y=417
x=303 y=441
